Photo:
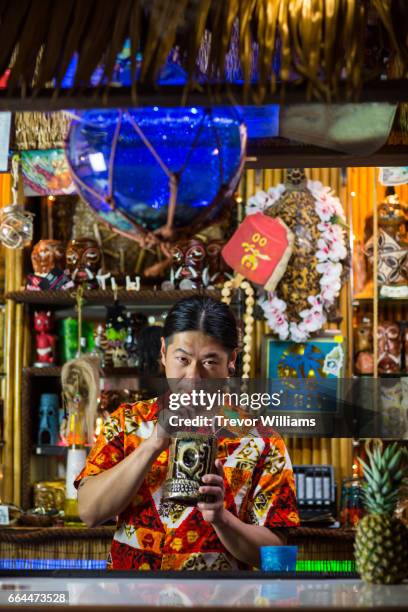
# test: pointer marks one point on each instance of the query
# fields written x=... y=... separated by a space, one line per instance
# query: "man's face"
x=193 y=355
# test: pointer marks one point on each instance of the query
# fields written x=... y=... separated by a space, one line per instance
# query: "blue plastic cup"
x=278 y=558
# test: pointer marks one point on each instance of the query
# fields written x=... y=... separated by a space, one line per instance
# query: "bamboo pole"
x=250 y=187
x=325 y=451
x=7 y=455
x=297 y=457
x=306 y=451
x=18 y=361
x=346 y=455
x=336 y=458
x=8 y=399
x=316 y=451
x=375 y=273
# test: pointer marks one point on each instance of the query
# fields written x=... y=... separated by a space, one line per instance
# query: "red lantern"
x=260 y=250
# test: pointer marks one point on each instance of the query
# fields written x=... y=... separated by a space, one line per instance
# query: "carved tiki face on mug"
x=389 y=347
x=47 y=255
x=192 y=455
x=83 y=259
x=188 y=262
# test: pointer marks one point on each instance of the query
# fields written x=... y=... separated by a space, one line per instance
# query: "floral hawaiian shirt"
x=150 y=534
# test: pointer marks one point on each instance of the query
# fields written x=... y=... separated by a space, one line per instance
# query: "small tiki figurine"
x=389 y=348
x=218 y=269
x=48 y=260
x=44 y=340
x=392 y=247
x=116 y=332
x=363 y=347
x=48 y=255
x=48 y=429
x=189 y=258
x=83 y=260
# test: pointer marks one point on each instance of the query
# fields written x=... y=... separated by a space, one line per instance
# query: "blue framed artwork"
x=310 y=372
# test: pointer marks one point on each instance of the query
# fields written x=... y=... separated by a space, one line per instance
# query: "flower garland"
x=331 y=250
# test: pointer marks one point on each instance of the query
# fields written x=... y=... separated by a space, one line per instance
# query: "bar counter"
x=72 y=560
x=83 y=548
x=110 y=591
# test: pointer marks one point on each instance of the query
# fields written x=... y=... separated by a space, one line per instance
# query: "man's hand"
x=159 y=440
x=213 y=512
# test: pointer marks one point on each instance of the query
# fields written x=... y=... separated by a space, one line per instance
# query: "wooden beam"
x=289 y=156
x=393 y=91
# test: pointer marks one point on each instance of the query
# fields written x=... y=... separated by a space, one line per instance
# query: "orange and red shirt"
x=152 y=535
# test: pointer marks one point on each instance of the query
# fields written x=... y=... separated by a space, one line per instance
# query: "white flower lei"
x=331 y=251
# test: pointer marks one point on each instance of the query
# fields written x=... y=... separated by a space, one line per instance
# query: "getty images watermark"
x=197 y=401
x=304 y=407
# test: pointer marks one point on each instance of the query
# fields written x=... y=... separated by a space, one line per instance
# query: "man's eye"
x=182 y=360
x=210 y=362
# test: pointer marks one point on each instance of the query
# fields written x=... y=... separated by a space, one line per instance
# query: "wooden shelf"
x=381 y=300
x=55 y=372
x=106 y=297
x=23 y=533
x=50 y=371
x=383 y=375
x=393 y=375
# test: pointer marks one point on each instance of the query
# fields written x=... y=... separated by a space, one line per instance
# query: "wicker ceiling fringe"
x=40 y=130
x=319 y=42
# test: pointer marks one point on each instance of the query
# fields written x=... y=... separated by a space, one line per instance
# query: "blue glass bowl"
x=125 y=182
x=278 y=558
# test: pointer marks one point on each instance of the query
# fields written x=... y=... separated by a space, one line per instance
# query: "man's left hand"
x=213 y=485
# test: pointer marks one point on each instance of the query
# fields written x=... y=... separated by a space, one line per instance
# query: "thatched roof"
x=329 y=46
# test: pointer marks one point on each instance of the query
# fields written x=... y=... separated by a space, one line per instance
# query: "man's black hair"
x=204 y=314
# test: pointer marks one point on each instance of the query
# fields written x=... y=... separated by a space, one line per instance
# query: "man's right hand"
x=159 y=440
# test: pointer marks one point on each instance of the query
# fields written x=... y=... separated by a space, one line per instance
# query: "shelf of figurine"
x=195 y=263
x=52 y=438
x=116 y=343
x=191 y=264
x=56 y=268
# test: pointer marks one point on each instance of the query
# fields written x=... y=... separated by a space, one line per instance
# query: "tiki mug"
x=48 y=255
x=363 y=339
x=48 y=260
x=48 y=429
x=192 y=455
x=392 y=247
x=364 y=336
x=83 y=260
x=116 y=332
x=189 y=257
x=389 y=348
x=218 y=269
x=49 y=494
